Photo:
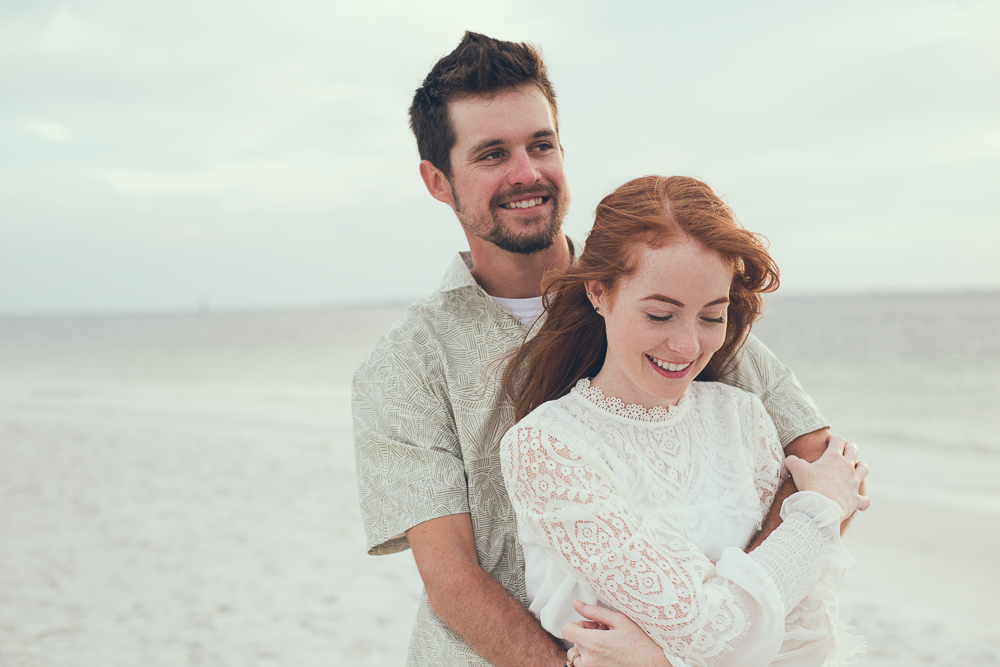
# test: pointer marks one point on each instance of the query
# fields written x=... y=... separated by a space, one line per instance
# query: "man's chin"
x=525 y=244
x=539 y=234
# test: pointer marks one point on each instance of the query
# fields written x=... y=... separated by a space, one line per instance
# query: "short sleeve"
x=768 y=456
x=409 y=459
x=758 y=370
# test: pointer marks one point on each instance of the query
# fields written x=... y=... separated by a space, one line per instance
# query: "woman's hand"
x=609 y=639
x=837 y=475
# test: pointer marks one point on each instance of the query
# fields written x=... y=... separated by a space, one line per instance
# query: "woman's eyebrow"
x=660 y=297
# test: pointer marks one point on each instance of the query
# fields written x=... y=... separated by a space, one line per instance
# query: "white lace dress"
x=629 y=508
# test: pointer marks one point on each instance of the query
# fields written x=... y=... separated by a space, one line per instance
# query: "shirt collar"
x=459 y=273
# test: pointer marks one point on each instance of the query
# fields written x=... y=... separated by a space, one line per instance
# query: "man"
x=428 y=409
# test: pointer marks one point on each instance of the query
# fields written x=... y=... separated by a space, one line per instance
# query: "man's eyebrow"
x=483 y=145
x=667 y=299
x=490 y=143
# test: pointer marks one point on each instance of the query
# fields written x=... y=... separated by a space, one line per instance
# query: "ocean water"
x=179 y=488
x=924 y=369
x=917 y=369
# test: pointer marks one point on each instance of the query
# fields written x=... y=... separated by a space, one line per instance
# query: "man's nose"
x=523 y=169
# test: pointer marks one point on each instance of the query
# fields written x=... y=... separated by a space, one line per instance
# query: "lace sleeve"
x=572 y=503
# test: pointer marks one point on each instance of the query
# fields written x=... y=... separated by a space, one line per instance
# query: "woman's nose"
x=684 y=343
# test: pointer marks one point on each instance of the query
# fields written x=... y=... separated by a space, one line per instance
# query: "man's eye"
x=545 y=147
x=495 y=155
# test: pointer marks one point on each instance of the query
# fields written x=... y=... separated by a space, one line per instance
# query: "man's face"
x=507 y=182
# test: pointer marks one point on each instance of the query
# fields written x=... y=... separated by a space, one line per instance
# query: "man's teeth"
x=667 y=366
x=524 y=204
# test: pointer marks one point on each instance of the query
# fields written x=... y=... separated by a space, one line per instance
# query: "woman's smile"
x=669 y=370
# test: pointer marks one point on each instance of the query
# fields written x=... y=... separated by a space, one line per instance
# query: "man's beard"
x=495 y=232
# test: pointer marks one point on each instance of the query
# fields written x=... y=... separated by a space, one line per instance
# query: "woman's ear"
x=595 y=293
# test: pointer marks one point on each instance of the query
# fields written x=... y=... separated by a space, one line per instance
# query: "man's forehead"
x=512 y=113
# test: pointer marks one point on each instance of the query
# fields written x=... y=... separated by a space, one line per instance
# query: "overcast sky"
x=166 y=155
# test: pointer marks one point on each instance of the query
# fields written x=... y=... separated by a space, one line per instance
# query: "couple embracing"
x=592 y=460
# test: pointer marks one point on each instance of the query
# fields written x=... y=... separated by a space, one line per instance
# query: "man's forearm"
x=492 y=621
x=471 y=602
x=808 y=447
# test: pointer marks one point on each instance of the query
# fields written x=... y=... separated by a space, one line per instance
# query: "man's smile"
x=525 y=203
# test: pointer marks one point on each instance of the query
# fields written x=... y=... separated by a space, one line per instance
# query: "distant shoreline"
x=204 y=310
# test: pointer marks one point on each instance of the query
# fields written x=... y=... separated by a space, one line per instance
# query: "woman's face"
x=664 y=322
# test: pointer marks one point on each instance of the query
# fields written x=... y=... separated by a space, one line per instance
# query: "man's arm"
x=808 y=447
x=473 y=603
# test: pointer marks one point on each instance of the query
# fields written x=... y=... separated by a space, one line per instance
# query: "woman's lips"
x=664 y=367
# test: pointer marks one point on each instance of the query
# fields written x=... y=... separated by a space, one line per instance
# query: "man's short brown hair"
x=479 y=65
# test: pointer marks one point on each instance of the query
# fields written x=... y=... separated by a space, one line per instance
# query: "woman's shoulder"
x=556 y=410
x=565 y=418
x=715 y=403
x=721 y=394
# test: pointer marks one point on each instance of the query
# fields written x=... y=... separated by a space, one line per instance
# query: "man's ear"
x=437 y=183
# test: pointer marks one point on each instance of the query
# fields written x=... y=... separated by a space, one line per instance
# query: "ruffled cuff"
x=804 y=548
x=826 y=516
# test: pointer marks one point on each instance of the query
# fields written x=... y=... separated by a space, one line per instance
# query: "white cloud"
x=288 y=129
x=48 y=130
x=302 y=181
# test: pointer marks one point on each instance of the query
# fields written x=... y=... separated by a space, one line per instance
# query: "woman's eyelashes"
x=664 y=318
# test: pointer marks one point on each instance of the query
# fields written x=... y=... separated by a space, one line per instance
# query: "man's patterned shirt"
x=429 y=414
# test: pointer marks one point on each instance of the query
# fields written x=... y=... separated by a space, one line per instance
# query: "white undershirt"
x=527 y=310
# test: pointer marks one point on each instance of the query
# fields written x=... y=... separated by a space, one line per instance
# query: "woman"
x=637 y=489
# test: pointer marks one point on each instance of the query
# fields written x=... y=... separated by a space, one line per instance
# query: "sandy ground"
x=148 y=519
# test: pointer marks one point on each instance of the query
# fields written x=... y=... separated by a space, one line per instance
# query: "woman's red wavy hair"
x=650 y=211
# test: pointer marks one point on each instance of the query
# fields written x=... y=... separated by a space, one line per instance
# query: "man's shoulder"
x=422 y=332
x=412 y=332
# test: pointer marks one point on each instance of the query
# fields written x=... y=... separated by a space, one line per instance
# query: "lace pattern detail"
x=651 y=574
x=617 y=407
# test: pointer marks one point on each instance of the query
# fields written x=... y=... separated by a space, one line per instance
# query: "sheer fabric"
x=629 y=508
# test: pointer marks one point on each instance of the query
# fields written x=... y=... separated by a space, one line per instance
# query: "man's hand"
x=610 y=639
x=472 y=603
x=808 y=447
x=838 y=475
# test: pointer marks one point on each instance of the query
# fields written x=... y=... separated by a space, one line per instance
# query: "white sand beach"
x=179 y=490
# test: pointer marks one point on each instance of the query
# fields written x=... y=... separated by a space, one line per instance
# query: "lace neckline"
x=634 y=412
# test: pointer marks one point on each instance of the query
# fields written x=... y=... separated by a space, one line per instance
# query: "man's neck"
x=511 y=276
